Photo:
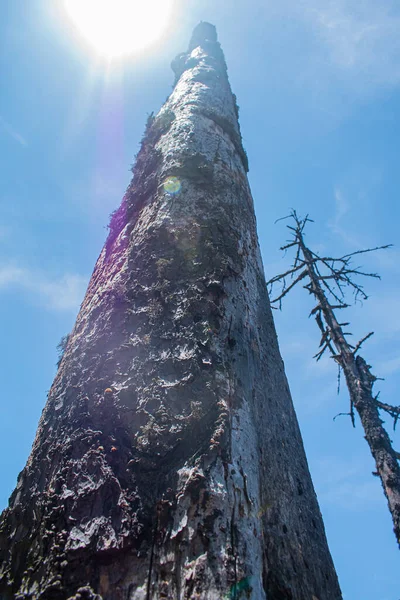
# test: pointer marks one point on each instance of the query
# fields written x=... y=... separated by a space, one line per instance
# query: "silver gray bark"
x=168 y=462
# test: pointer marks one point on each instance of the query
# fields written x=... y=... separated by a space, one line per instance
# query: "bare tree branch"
x=360 y=343
x=393 y=411
x=330 y=278
x=287 y=290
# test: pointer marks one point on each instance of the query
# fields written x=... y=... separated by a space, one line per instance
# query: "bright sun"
x=118 y=27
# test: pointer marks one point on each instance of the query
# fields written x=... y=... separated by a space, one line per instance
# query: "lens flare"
x=241 y=586
x=172 y=186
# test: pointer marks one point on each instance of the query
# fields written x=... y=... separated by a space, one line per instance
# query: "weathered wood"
x=168 y=462
x=360 y=382
x=357 y=372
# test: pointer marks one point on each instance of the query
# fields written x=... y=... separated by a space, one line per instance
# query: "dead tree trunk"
x=359 y=379
x=168 y=461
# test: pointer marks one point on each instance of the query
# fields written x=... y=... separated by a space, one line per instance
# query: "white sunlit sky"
x=318 y=85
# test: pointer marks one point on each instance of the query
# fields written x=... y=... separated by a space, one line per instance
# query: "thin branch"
x=283 y=275
x=286 y=290
x=319 y=354
x=315 y=310
x=283 y=218
x=288 y=246
x=338 y=379
x=341 y=414
x=368 y=250
x=393 y=411
x=360 y=343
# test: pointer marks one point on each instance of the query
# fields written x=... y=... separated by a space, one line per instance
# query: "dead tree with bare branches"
x=168 y=461
x=328 y=279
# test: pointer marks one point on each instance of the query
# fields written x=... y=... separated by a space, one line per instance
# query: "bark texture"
x=359 y=381
x=327 y=279
x=168 y=461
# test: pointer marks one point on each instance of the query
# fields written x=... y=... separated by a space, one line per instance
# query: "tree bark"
x=168 y=462
x=360 y=381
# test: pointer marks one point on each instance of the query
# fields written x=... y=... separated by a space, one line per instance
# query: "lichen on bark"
x=168 y=461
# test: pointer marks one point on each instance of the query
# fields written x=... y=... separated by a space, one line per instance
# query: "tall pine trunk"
x=168 y=461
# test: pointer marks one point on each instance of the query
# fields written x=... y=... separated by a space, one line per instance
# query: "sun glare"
x=118 y=27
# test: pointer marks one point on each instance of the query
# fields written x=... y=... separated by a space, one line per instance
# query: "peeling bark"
x=168 y=461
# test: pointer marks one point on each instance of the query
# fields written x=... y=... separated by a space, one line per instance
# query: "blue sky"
x=318 y=85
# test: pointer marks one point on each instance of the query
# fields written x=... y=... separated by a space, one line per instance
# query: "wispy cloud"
x=361 y=37
x=9 y=130
x=346 y=483
x=99 y=194
x=383 y=312
x=342 y=208
x=302 y=353
x=349 y=51
x=387 y=262
x=4 y=232
x=64 y=293
x=389 y=366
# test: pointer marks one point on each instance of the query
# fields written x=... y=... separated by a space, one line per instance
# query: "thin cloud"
x=350 y=495
x=344 y=483
x=64 y=293
x=383 y=311
x=387 y=262
x=342 y=208
x=9 y=276
x=350 y=51
x=388 y=367
x=8 y=129
x=4 y=232
x=361 y=37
